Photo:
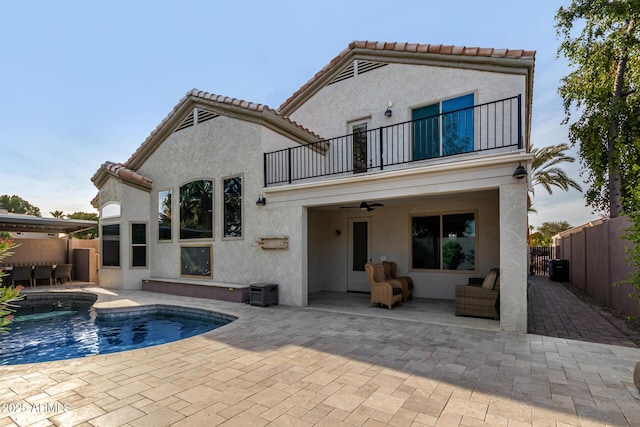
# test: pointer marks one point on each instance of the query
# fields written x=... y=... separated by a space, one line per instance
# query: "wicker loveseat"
x=390 y=270
x=480 y=298
x=383 y=291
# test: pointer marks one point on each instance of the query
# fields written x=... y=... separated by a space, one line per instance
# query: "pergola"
x=35 y=224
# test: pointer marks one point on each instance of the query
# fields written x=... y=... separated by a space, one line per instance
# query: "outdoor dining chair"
x=62 y=272
x=43 y=272
x=21 y=273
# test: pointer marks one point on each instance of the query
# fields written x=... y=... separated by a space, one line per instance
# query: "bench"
x=198 y=288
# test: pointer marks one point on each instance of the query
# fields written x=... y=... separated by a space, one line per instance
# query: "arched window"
x=110 y=210
x=196 y=210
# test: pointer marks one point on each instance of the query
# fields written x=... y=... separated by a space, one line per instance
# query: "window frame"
x=170 y=239
x=180 y=221
x=138 y=245
x=359 y=136
x=181 y=254
x=224 y=204
x=443 y=149
x=441 y=215
x=102 y=248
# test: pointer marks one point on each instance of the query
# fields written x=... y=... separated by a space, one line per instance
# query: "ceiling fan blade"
x=376 y=204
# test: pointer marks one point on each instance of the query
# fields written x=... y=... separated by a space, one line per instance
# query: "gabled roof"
x=413 y=53
x=213 y=105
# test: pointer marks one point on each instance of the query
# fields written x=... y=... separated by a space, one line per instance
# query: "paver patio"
x=296 y=366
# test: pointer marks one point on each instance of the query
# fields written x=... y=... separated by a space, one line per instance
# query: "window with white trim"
x=138 y=244
x=443 y=242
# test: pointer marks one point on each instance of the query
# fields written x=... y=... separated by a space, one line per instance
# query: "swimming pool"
x=61 y=326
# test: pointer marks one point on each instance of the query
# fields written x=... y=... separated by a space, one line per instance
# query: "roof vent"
x=189 y=121
x=204 y=115
x=345 y=74
x=365 y=66
x=356 y=68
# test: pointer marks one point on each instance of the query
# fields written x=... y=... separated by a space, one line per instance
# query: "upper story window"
x=164 y=215
x=110 y=210
x=196 y=210
x=232 y=207
x=436 y=134
x=443 y=242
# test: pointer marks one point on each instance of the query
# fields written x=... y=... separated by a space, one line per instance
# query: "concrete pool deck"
x=284 y=365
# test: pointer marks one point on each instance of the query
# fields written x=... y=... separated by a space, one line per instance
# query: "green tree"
x=92 y=233
x=543 y=234
x=545 y=170
x=601 y=44
x=15 y=204
x=57 y=214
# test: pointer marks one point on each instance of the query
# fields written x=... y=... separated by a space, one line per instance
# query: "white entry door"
x=359 y=253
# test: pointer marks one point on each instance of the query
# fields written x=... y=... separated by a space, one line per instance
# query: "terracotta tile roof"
x=430 y=49
x=195 y=97
x=122 y=172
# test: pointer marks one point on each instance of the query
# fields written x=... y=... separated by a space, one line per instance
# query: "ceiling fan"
x=363 y=206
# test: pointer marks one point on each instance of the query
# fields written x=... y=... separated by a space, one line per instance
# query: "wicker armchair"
x=390 y=269
x=383 y=291
x=480 y=299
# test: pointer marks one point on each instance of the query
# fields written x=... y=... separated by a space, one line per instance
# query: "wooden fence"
x=597 y=259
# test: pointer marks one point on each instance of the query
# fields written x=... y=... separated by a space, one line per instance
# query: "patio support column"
x=513 y=256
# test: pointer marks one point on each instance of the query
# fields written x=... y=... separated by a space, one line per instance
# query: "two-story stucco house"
x=395 y=151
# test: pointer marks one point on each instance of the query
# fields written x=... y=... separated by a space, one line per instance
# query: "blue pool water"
x=71 y=331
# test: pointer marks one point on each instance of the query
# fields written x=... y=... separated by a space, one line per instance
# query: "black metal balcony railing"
x=489 y=126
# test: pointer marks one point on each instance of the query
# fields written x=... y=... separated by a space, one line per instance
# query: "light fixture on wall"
x=338 y=232
x=261 y=201
x=388 y=113
x=520 y=172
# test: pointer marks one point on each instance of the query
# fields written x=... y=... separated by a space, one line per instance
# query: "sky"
x=84 y=82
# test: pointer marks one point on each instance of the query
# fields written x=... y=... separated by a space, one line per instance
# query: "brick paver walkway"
x=289 y=366
x=554 y=311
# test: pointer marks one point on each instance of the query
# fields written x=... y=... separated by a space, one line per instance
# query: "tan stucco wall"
x=134 y=207
x=407 y=87
x=218 y=148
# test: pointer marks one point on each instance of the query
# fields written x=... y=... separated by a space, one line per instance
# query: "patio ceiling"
x=34 y=224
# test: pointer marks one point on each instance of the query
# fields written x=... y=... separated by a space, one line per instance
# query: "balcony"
x=492 y=126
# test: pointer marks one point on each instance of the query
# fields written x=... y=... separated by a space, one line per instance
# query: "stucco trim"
x=479 y=161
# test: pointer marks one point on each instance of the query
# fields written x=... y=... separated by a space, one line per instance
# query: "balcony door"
x=359 y=145
x=443 y=129
x=359 y=254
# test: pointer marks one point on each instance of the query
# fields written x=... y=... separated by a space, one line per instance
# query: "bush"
x=8 y=294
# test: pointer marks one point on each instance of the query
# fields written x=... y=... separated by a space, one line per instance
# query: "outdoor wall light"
x=261 y=201
x=388 y=113
x=520 y=172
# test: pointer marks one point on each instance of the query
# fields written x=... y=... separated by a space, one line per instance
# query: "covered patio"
x=422 y=310
x=45 y=245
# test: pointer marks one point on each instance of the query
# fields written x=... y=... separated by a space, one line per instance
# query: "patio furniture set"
x=479 y=298
x=53 y=273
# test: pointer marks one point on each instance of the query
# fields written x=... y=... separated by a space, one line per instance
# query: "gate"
x=539 y=257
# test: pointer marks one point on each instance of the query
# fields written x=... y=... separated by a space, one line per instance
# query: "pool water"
x=70 y=331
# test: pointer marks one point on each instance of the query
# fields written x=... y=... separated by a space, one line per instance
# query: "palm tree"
x=545 y=170
x=57 y=214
